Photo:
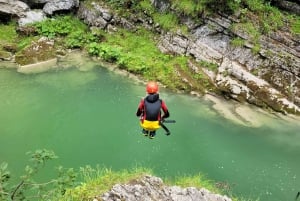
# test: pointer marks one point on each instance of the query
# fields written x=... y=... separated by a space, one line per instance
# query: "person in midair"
x=149 y=110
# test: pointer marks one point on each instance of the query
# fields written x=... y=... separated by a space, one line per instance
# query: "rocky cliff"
x=268 y=76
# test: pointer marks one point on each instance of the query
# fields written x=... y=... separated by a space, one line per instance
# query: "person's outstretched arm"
x=165 y=110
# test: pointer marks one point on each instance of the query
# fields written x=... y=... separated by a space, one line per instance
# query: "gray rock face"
x=161 y=5
x=31 y=16
x=277 y=64
x=101 y=17
x=13 y=7
x=292 y=6
x=21 y=9
x=151 y=188
x=98 y=16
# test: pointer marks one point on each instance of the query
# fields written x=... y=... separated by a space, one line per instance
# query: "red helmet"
x=152 y=87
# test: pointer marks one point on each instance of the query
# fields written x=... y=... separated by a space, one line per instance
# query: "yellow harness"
x=150 y=125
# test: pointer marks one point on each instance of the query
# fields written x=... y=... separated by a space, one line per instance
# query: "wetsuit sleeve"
x=140 y=109
x=165 y=110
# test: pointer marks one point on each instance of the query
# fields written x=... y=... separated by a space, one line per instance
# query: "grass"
x=255 y=5
x=8 y=34
x=237 y=42
x=168 y=21
x=295 y=24
x=250 y=29
x=198 y=181
x=210 y=66
x=188 y=7
x=146 y=6
x=100 y=180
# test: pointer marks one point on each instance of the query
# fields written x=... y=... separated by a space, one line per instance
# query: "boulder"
x=60 y=5
x=38 y=67
x=38 y=51
x=153 y=189
x=95 y=16
x=291 y=6
x=98 y=15
x=13 y=8
x=31 y=17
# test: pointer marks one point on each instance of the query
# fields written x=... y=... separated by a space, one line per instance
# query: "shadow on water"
x=88 y=118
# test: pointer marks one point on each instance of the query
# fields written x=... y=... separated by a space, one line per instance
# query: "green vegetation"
x=295 y=24
x=211 y=66
x=84 y=184
x=198 y=181
x=29 y=189
x=100 y=180
x=168 y=21
x=74 y=33
x=8 y=36
x=250 y=29
x=189 y=7
x=256 y=48
x=8 y=33
x=237 y=42
x=60 y=26
x=137 y=53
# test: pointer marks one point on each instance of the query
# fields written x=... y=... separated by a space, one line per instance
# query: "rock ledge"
x=150 y=188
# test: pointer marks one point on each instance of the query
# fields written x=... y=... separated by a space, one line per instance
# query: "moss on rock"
x=5 y=55
x=41 y=50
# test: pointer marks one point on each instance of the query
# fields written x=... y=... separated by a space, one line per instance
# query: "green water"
x=88 y=118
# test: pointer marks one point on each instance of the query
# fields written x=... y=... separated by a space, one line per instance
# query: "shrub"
x=59 y=26
x=27 y=188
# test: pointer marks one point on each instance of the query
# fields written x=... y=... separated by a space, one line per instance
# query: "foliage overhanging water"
x=88 y=118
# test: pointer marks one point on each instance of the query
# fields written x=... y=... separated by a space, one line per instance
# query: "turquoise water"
x=88 y=118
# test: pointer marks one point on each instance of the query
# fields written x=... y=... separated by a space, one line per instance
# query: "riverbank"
x=237 y=53
x=240 y=113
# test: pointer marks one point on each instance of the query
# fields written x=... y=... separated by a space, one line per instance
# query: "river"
x=87 y=117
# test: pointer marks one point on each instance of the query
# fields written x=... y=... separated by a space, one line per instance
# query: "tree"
x=27 y=188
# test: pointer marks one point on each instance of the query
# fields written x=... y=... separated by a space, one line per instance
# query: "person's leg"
x=152 y=134
x=145 y=132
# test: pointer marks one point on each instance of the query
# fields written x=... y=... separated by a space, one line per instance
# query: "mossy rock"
x=10 y=47
x=42 y=50
x=4 y=55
